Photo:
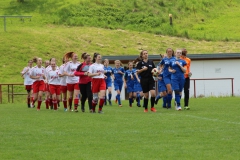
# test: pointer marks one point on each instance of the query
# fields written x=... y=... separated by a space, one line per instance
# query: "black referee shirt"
x=147 y=73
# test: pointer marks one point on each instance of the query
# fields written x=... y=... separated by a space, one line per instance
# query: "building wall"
x=215 y=69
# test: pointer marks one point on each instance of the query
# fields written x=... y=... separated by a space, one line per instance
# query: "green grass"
x=208 y=131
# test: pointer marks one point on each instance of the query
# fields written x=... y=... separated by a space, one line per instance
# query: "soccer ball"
x=154 y=72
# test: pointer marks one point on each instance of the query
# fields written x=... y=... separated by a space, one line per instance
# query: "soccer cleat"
x=153 y=109
x=65 y=109
x=179 y=108
x=130 y=105
x=120 y=105
x=83 y=109
x=100 y=111
x=38 y=109
x=186 y=108
x=145 y=110
x=32 y=105
x=75 y=110
x=139 y=105
x=110 y=102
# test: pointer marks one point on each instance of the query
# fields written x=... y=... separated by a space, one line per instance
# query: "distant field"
x=210 y=130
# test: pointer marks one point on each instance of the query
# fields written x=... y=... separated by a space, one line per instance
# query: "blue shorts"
x=108 y=83
x=167 y=79
x=118 y=85
x=178 y=84
x=130 y=88
x=161 y=86
x=137 y=87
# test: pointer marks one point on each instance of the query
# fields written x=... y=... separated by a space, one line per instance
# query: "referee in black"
x=147 y=82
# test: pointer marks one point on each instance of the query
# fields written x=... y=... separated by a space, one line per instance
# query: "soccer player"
x=108 y=80
x=85 y=82
x=38 y=75
x=187 y=76
x=96 y=71
x=147 y=82
x=54 y=84
x=28 y=81
x=162 y=90
x=176 y=67
x=164 y=64
x=118 y=73
x=129 y=82
x=63 y=83
x=72 y=80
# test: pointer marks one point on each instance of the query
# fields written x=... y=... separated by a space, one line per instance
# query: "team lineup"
x=73 y=83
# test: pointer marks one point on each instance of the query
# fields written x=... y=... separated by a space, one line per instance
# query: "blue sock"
x=119 y=99
x=109 y=96
x=177 y=99
x=169 y=100
x=165 y=101
x=130 y=101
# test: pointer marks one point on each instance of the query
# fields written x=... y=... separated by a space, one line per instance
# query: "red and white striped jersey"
x=26 y=75
x=70 y=68
x=53 y=77
x=97 y=68
x=35 y=71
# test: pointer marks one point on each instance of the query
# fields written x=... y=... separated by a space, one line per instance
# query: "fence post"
x=0 y=93
x=5 y=25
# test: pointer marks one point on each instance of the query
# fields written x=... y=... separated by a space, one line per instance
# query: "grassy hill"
x=113 y=27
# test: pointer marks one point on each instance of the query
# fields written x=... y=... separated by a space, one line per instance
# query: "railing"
x=208 y=79
x=10 y=91
x=6 y=16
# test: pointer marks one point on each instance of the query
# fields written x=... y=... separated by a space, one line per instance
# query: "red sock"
x=47 y=103
x=32 y=99
x=51 y=102
x=65 y=103
x=93 y=105
x=55 y=104
x=101 y=103
x=39 y=104
x=76 y=103
x=70 y=102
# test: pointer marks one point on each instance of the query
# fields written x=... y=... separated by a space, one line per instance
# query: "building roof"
x=193 y=57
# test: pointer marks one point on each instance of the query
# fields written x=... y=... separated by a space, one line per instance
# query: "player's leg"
x=89 y=95
x=110 y=94
x=130 y=98
x=83 y=91
x=186 y=93
x=64 y=97
x=76 y=97
x=70 y=88
x=102 y=98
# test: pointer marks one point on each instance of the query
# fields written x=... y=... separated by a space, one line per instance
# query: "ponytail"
x=95 y=56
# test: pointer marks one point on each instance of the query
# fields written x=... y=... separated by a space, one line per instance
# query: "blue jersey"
x=128 y=76
x=118 y=76
x=166 y=62
x=108 y=72
x=179 y=73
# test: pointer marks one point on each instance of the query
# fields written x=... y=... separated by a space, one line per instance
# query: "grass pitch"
x=210 y=130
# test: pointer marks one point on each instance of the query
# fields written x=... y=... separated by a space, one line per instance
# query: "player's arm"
x=171 y=70
x=140 y=69
x=125 y=80
x=183 y=68
x=91 y=74
x=136 y=74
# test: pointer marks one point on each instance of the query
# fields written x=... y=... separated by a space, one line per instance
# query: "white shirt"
x=53 y=77
x=35 y=71
x=64 y=78
x=26 y=75
x=70 y=68
x=97 y=68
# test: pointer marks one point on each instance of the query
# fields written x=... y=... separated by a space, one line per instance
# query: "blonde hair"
x=118 y=61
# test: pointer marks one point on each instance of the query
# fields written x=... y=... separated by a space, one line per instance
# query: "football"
x=155 y=72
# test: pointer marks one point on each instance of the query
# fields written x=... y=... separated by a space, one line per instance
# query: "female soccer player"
x=28 y=81
x=147 y=82
x=162 y=90
x=54 y=84
x=129 y=82
x=118 y=73
x=85 y=82
x=96 y=71
x=63 y=83
x=138 y=93
x=38 y=75
x=176 y=67
x=164 y=64
x=72 y=80
x=108 y=80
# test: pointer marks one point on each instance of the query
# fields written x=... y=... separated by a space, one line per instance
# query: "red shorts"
x=55 y=89
x=28 y=87
x=72 y=87
x=98 y=84
x=38 y=86
x=47 y=87
x=63 y=89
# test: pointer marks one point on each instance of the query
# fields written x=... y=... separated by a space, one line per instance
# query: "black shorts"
x=147 y=84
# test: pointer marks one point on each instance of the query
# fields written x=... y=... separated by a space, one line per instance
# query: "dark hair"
x=184 y=52
x=35 y=59
x=141 y=53
x=63 y=59
x=95 y=56
x=84 y=55
x=172 y=51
